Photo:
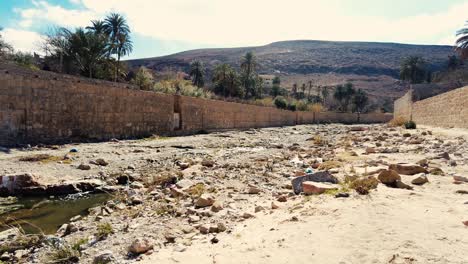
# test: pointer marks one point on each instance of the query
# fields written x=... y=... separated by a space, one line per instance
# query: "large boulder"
x=204 y=200
x=140 y=245
x=407 y=169
x=310 y=187
x=13 y=184
x=323 y=176
x=389 y=177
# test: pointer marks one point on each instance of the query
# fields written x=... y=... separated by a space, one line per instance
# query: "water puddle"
x=36 y=215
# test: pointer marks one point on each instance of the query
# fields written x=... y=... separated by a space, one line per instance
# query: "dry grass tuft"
x=397 y=121
x=364 y=185
x=331 y=164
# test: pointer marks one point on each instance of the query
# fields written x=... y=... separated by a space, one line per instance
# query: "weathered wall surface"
x=402 y=106
x=37 y=107
x=449 y=109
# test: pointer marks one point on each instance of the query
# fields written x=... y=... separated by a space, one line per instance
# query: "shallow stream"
x=46 y=215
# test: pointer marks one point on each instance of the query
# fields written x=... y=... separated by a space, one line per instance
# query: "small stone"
x=100 y=162
x=84 y=167
x=204 y=200
x=184 y=165
x=221 y=227
x=253 y=190
x=407 y=169
x=370 y=150
x=282 y=199
x=248 y=215
x=420 y=180
x=216 y=207
x=259 y=209
x=194 y=218
x=452 y=163
x=444 y=155
x=106 y=256
x=274 y=206
x=204 y=229
x=140 y=245
x=136 y=185
x=342 y=195
x=208 y=163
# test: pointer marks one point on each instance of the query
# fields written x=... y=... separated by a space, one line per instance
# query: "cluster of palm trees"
x=227 y=81
x=347 y=96
x=94 y=51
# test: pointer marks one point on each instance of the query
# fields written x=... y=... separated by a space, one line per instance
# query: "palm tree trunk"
x=117 y=66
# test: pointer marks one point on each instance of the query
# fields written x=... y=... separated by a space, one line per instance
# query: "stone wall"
x=449 y=109
x=42 y=107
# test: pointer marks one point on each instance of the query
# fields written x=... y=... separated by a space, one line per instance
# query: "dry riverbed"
x=376 y=194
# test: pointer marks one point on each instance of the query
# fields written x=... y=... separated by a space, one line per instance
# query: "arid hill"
x=369 y=65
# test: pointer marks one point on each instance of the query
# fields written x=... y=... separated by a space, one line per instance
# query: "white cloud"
x=42 y=11
x=248 y=22
x=22 y=40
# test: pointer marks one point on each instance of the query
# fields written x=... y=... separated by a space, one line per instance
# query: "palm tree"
x=197 y=72
x=116 y=27
x=461 y=44
x=98 y=27
x=248 y=68
x=360 y=100
x=413 y=69
x=87 y=49
x=340 y=95
x=220 y=78
x=325 y=94
x=294 y=90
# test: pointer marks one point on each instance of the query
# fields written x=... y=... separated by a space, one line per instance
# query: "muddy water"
x=38 y=215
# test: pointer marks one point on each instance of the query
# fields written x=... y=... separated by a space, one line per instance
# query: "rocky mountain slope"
x=372 y=66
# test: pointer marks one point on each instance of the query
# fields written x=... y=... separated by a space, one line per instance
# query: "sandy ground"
x=423 y=225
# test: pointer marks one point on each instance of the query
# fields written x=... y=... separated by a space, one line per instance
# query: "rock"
x=204 y=229
x=401 y=185
x=13 y=184
x=444 y=155
x=183 y=165
x=370 y=150
x=100 y=162
x=136 y=185
x=388 y=177
x=420 y=180
x=309 y=187
x=104 y=257
x=323 y=176
x=423 y=163
x=140 y=245
x=259 y=209
x=221 y=227
x=274 y=206
x=194 y=218
x=407 y=169
x=216 y=207
x=282 y=198
x=208 y=163
x=204 y=200
x=453 y=163
x=248 y=215
x=460 y=178
x=342 y=195
x=185 y=184
x=436 y=171
x=84 y=167
x=253 y=190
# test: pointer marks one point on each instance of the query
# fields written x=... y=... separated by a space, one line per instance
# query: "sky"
x=161 y=27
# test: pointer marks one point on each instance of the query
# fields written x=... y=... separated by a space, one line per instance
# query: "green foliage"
x=360 y=100
x=143 y=79
x=343 y=94
x=63 y=255
x=364 y=185
x=197 y=72
x=461 y=44
x=227 y=82
x=410 y=125
x=280 y=102
x=182 y=87
x=249 y=77
x=302 y=105
x=77 y=245
x=414 y=69
x=104 y=230
x=292 y=106
x=5 y=48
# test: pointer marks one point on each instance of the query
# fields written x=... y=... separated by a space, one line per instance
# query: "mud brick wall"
x=445 y=110
x=35 y=110
x=202 y=114
x=43 y=107
x=402 y=106
x=449 y=109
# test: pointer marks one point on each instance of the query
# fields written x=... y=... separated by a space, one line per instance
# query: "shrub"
x=63 y=255
x=104 y=230
x=410 y=125
x=364 y=185
x=281 y=103
x=397 y=121
x=292 y=107
x=302 y=105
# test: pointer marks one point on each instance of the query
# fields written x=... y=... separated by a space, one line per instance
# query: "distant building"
x=267 y=80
